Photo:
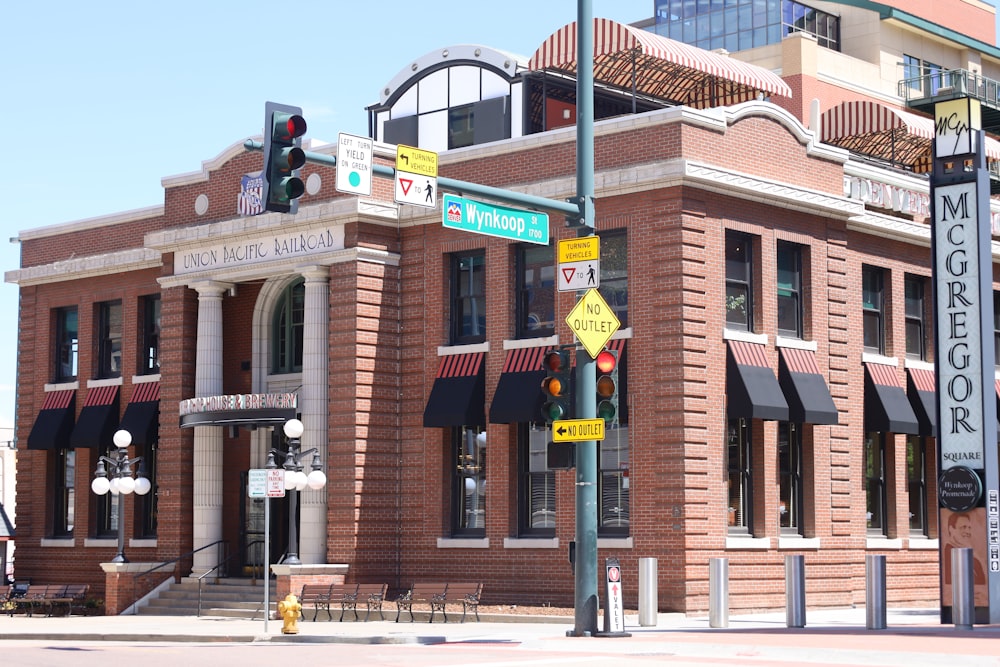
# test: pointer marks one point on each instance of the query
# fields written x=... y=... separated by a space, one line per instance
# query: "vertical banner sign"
x=963 y=311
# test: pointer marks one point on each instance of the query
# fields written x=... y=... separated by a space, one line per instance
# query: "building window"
x=468 y=298
x=67 y=344
x=106 y=508
x=872 y=291
x=790 y=500
x=146 y=505
x=916 y=482
x=460 y=126
x=614 y=273
x=469 y=482
x=740 y=475
x=913 y=288
x=109 y=339
x=150 y=335
x=875 y=497
x=789 y=290
x=911 y=71
x=65 y=497
x=739 y=281
x=613 y=482
x=536 y=288
x=287 y=329
x=538 y=483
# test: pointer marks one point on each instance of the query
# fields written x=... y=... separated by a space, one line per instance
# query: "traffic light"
x=607 y=385
x=283 y=157
x=556 y=386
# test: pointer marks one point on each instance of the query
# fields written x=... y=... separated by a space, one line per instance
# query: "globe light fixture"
x=114 y=475
x=296 y=480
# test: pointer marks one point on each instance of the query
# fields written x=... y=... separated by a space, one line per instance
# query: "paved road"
x=914 y=638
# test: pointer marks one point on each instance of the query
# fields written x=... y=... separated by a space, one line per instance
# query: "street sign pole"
x=585 y=591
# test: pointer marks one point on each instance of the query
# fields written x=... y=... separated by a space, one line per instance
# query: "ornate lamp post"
x=296 y=480
x=115 y=475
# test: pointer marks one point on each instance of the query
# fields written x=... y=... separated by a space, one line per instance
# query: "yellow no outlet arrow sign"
x=577 y=430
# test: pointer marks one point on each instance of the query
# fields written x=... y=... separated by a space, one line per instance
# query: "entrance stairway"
x=232 y=598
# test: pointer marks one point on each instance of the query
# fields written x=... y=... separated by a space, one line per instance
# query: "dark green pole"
x=585 y=596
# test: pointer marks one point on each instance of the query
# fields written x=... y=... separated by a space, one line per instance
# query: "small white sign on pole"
x=354 y=164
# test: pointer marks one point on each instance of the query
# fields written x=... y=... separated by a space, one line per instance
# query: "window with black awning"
x=887 y=410
x=98 y=419
x=54 y=423
x=141 y=418
x=752 y=391
x=920 y=389
x=458 y=397
x=518 y=396
x=805 y=389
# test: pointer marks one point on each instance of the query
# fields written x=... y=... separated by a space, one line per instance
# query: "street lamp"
x=115 y=475
x=296 y=480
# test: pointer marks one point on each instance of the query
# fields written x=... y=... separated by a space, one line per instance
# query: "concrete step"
x=233 y=598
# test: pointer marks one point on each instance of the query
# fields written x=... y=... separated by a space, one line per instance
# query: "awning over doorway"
x=805 y=389
x=920 y=389
x=458 y=396
x=887 y=409
x=519 y=397
x=54 y=423
x=752 y=391
x=141 y=417
x=899 y=137
x=635 y=60
x=98 y=419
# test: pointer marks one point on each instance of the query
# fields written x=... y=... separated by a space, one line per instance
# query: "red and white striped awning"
x=643 y=62
x=884 y=132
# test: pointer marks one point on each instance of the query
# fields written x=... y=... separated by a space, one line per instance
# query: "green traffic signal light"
x=283 y=157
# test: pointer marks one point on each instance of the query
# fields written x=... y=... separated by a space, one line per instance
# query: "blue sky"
x=103 y=99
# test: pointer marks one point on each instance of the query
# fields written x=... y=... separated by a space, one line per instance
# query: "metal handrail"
x=200 y=578
x=173 y=561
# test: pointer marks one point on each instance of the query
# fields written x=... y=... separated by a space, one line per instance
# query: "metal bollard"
x=963 y=601
x=795 y=591
x=648 y=604
x=718 y=593
x=875 y=602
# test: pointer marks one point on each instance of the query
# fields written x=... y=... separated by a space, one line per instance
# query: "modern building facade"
x=764 y=224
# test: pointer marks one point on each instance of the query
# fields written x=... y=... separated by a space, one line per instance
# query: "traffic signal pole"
x=585 y=596
x=580 y=213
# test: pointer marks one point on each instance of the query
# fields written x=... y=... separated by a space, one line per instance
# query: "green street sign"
x=470 y=215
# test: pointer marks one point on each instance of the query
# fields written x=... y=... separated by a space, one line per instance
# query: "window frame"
x=532 y=470
x=67 y=344
x=739 y=289
x=795 y=252
x=791 y=498
x=545 y=266
x=64 y=493
x=873 y=316
x=105 y=506
x=465 y=520
x=614 y=280
x=287 y=334
x=740 y=507
x=876 y=499
x=466 y=294
x=916 y=483
x=915 y=320
x=110 y=329
x=152 y=309
x=147 y=505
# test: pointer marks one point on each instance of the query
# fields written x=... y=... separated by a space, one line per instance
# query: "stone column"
x=208 y=439
x=314 y=405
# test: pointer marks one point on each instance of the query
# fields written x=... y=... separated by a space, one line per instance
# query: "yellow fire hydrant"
x=289 y=609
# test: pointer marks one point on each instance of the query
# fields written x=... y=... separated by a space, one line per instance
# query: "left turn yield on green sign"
x=354 y=164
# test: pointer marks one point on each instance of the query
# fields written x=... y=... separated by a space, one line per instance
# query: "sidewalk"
x=492 y=627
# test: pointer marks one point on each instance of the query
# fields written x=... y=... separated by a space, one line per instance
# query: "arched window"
x=286 y=329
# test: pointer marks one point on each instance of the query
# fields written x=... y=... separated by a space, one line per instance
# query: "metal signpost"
x=266 y=484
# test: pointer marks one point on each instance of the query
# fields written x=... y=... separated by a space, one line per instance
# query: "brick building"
x=765 y=245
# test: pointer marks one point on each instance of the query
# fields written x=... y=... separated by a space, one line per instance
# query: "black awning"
x=458 y=396
x=519 y=396
x=752 y=391
x=920 y=389
x=54 y=423
x=887 y=409
x=98 y=419
x=809 y=399
x=142 y=413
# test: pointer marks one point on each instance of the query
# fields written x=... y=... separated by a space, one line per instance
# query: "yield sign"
x=416 y=189
x=579 y=275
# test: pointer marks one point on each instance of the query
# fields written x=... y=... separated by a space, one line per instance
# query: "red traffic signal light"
x=607 y=385
x=283 y=157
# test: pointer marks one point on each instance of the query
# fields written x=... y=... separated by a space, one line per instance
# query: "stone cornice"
x=78 y=268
